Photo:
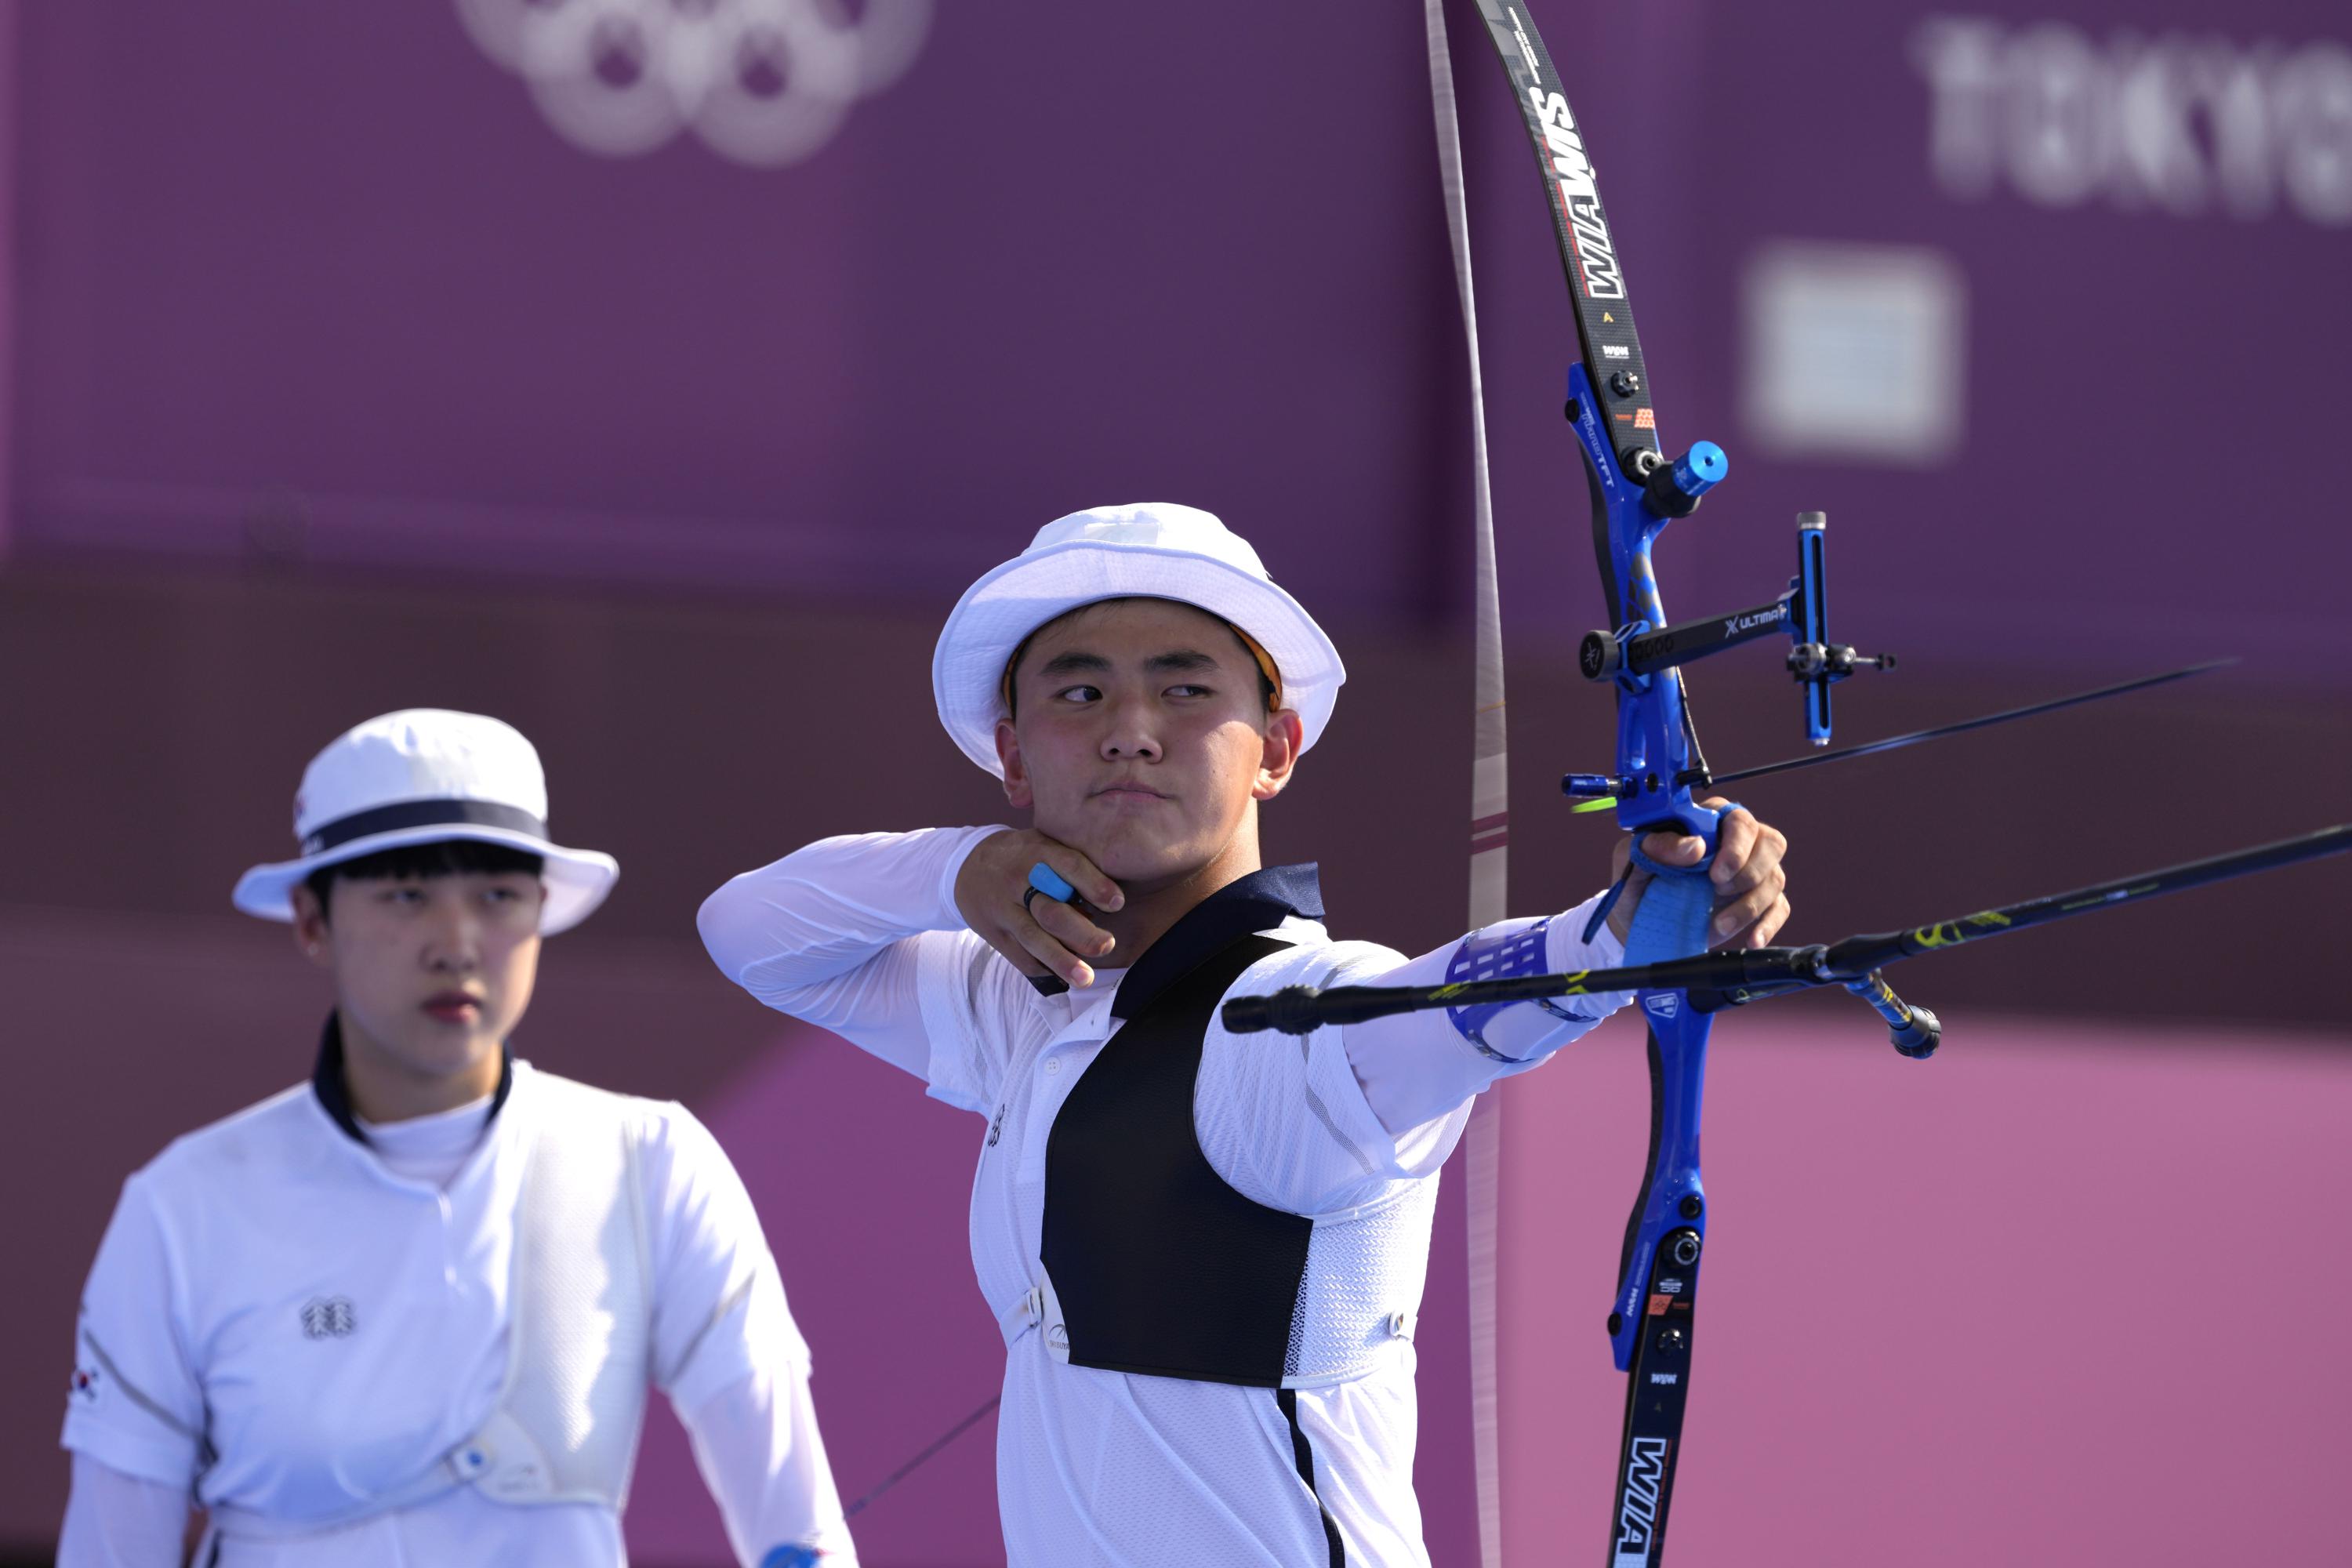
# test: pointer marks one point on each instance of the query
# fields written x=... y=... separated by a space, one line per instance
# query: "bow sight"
x=1632 y=653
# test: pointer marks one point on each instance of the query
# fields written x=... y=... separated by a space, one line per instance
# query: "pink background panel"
x=862 y=1182
x=2064 y=1294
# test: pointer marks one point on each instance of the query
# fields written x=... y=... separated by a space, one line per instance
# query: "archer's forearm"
x=1414 y=1067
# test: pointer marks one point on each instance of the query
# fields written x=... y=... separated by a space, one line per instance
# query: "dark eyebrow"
x=1182 y=659
x=1075 y=662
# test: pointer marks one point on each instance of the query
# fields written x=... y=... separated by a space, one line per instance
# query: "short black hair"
x=436 y=857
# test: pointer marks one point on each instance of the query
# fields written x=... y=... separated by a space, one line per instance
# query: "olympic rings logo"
x=764 y=82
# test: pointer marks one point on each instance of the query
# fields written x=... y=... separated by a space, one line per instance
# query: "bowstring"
x=807 y=1546
x=1489 y=829
x=919 y=1460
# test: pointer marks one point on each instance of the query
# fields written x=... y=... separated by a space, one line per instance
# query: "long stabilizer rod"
x=1769 y=970
x=1896 y=742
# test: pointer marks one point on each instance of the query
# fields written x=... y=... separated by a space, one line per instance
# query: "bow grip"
x=1639 y=814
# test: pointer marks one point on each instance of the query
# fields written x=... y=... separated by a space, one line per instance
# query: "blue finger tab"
x=1049 y=881
x=791 y=1555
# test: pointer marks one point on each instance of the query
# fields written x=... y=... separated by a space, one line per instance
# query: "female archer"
x=407 y=1312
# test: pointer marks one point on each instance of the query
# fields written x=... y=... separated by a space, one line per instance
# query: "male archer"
x=1205 y=1251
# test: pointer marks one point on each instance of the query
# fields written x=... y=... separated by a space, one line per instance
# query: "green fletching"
x=1606 y=803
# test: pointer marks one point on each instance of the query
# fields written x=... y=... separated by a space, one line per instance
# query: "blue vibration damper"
x=1673 y=490
x=1701 y=468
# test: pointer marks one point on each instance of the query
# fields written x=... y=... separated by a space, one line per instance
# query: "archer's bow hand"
x=1751 y=880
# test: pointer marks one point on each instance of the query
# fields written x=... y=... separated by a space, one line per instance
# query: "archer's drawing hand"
x=1751 y=902
x=1039 y=935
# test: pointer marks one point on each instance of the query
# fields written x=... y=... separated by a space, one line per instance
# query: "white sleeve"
x=1418 y=1068
x=861 y=935
x=114 y=1521
x=719 y=1313
x=757 y=1444
x=1281 y=1118
x=1320 y=1123
x=726 y=1350
x=136 y=1402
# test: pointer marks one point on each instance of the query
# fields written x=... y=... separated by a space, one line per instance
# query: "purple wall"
x=326 y=287
x=8 y=94
x=331 y=279
x=333 y=379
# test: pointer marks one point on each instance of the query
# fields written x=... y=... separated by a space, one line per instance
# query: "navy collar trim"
x=334 y=1090
x=1257 y=902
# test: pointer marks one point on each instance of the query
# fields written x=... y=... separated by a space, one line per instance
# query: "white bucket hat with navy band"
x=1153 y=550
x=416 y=777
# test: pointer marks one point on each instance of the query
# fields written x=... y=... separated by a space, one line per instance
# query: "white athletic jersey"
x=861 y=935
x=284 y=1325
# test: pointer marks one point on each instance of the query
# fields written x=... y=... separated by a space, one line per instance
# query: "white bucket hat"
x=416 y=777
x=1153 y=550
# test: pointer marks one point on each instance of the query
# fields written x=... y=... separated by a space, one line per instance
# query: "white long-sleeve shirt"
x=861 y=935
x=284 y=1321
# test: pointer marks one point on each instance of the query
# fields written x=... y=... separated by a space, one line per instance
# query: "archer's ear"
x=1286 y=737
x=1017 y=791
x=311 y=937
